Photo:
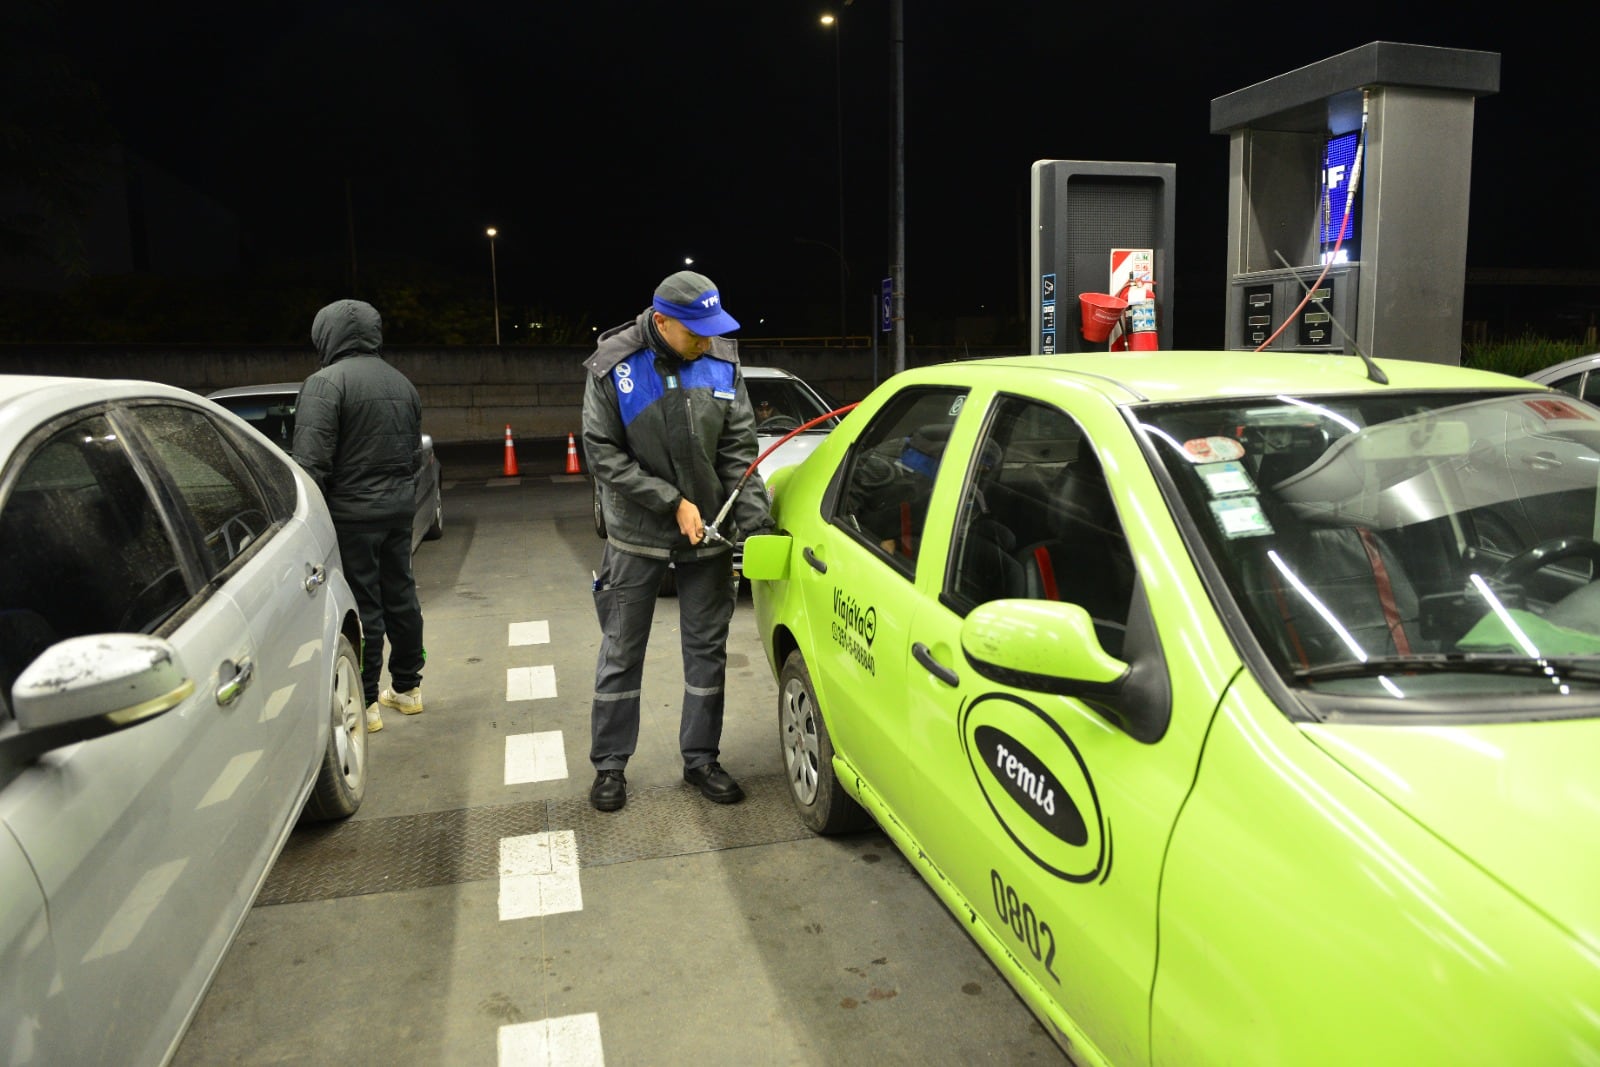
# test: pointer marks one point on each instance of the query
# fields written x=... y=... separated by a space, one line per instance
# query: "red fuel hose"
x=738 y=486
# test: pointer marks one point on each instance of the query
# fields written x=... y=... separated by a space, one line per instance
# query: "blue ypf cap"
x=693 y=300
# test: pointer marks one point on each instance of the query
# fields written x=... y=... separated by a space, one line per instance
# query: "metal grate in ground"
x=448 y=847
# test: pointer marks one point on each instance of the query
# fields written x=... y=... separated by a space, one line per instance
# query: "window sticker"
x=1211 y=449
x=1225 y=479
x=1240 y=516
x=1553 y=409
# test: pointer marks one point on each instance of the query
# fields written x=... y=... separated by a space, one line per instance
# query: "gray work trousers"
x=625 y=603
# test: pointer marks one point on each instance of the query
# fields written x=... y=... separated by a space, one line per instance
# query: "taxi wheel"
x=820 y=800
x=342 y=781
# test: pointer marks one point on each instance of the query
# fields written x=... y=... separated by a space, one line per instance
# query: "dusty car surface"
x=270 y=409
x=178 y=688
x=1208 y=694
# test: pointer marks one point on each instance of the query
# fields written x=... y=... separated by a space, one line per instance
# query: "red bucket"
x=1100 y=312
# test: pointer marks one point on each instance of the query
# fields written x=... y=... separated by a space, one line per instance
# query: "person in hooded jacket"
x=668 y=432
x=358 y=433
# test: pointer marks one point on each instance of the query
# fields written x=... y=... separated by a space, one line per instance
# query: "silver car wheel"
x=350 y=725
x=342 y=779
x=801 y=752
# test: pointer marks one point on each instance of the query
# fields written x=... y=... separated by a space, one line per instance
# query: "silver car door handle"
x=816 y=563
x=316 y=574
x=243 y=671
x=938 y=670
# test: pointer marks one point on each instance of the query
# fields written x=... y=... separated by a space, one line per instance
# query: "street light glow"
x=491 y=231
x=827 y=20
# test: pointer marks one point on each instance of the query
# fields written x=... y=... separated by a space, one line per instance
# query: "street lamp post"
x=897 y=34
x=494 y=280
x=838 y=126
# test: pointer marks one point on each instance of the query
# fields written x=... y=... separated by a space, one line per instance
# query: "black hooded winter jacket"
x=358 y=423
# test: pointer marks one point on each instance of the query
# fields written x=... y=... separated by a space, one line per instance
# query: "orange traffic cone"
x=572 y=456
x=511 y=470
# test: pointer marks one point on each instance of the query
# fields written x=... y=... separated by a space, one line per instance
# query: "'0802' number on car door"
x=1032 y=931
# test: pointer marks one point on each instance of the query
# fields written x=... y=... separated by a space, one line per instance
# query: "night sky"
x=608 y=140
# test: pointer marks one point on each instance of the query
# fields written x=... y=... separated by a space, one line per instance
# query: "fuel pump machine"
x=1101 y=228
x=1348 y=185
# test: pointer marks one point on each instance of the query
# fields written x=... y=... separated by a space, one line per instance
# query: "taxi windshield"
x=1408 y=544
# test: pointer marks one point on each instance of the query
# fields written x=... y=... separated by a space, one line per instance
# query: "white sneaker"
x=374 y=718
x=407 y=703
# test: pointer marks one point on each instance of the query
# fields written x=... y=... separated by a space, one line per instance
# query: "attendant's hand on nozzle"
x=690 y=523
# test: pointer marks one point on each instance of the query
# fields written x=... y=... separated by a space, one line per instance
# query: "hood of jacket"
x=347 y=328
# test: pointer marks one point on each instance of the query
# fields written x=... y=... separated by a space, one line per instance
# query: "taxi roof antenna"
x=1374 y=372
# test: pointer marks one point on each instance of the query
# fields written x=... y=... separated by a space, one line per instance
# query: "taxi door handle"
x=935 y=668
x=812 y=558
x=316 y=575
x=229 y=690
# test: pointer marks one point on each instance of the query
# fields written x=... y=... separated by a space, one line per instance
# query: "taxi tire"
x=819 y=799
x=342 y=779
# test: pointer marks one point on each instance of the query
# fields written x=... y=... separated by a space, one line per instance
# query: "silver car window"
x=85 y=547
x=208 y=473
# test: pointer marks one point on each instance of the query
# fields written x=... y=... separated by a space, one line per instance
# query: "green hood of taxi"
x=1521 y=800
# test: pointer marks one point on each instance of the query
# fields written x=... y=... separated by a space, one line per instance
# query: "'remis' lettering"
x=1035 y=786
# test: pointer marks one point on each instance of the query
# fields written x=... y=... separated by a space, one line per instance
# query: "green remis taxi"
x=1243 y=708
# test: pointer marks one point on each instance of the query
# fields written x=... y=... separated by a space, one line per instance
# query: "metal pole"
x=838 y=123
x=494 y=278
x=897 y=270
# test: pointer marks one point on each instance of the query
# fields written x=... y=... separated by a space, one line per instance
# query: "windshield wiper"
x=1587 y=667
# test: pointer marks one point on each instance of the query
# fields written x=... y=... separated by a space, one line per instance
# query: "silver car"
x=179 y=687
x=270 y=409
x=1577 y=376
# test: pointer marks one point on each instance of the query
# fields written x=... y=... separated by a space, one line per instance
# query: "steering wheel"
x=776 y=424
x=1545 y=553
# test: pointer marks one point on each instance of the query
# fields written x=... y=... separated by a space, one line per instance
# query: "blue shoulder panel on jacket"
x=638 y=385
x=714 y=374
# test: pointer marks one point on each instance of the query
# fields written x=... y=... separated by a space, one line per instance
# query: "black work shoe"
x=714 y=783
x=609 y=792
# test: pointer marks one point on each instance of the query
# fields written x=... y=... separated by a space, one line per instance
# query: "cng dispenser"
x=1103 y=230
x=1348 y=185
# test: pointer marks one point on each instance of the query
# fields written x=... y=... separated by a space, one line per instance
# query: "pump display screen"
x=1338 y=164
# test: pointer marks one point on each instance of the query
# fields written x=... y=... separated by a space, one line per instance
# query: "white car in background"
x=782 y=402
x=178 y=688
x=270 y=409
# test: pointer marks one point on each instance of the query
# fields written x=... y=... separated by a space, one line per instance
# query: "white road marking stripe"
x=537 y=757
x=530 y=633
x=572 y=1041
x=539 y=875
x=530 y=683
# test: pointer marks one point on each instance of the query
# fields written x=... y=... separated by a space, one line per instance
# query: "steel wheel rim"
x=349 y=724
x=801 y=749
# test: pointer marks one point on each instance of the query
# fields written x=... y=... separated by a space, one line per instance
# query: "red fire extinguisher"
x=1137 y=330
